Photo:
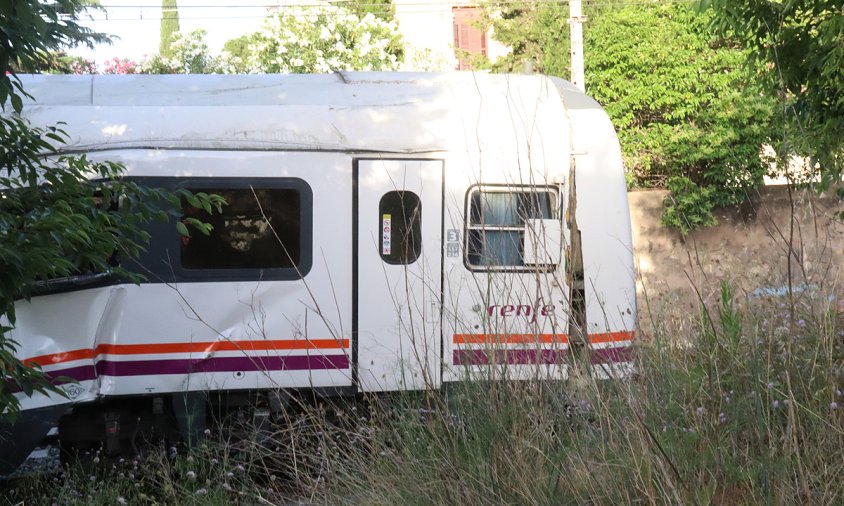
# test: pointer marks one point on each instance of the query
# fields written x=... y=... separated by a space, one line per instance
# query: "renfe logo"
x=521 y=310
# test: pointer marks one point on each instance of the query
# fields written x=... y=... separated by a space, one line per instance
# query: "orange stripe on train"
x=57 y=358
x=200 y=347
x=612 y=337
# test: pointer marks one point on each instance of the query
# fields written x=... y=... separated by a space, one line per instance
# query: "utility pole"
x=575 y=21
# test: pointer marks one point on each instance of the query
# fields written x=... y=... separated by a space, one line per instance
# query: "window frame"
x=162 y=261
x=468 y=227
x=416 y=225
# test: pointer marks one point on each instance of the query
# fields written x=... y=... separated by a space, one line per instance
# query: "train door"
x=398 y=273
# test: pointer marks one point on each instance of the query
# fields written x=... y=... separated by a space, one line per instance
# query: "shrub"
x=325 y=39
x=190 y=55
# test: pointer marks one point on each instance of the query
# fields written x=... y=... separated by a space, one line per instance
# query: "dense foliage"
x=59 y=215
x=690 y=115
x=325 y=39
x=189 y=54
x=745 y=408
x=536 y=31
x=31 y=29
x=801 y=45
x=320 y=39
x=381 y=9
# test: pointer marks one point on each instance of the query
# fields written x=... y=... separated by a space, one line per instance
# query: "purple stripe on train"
x=612 y=355
x=72 y=374
x=64 y=376
x=543 y=357
x=222 y=364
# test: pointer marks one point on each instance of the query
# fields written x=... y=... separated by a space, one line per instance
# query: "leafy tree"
x=534 y=30
x=59 y=62
x=381 y=9
x=169 y=27
x=325 y=39
x=238 y=47
x=30 y=31
x=801 y=47
x=56 y=213
x=235 y=54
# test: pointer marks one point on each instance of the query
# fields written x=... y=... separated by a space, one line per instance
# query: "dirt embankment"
x=749 y=248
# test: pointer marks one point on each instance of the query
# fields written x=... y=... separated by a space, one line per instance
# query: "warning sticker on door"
x=386 y=233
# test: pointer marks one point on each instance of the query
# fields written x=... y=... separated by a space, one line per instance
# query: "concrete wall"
x=748 y=248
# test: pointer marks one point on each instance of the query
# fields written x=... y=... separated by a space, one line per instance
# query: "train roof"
x=344 y=111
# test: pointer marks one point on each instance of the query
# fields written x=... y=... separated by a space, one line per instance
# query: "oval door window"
x=400 y=222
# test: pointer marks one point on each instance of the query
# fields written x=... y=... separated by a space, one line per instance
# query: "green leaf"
x=17 y=103
x=182 y=229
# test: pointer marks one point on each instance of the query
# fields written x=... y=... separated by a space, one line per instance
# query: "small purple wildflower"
x=240 y=468
x=776 y=404
x=837 y=392
x=699 y=411
x=722 y=418
x=801 y=322
x=202 y=491
x=771 y=385
x=833 y=405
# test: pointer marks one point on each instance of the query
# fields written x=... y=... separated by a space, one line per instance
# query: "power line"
x=419 y=7
x=301 y=10
x=611 y=3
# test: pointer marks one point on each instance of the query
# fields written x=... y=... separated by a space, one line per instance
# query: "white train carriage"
x=383 y=232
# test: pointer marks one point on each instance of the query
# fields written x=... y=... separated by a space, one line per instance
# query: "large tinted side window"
x=257 y=229
x=265 y=232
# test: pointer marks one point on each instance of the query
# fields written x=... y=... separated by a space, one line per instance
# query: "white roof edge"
x=386 y=112
x=249 y=89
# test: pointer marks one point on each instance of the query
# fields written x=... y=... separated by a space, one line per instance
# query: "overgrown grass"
x=743 y=411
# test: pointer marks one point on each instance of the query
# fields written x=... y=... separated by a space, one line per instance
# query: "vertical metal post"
x=575 y=21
